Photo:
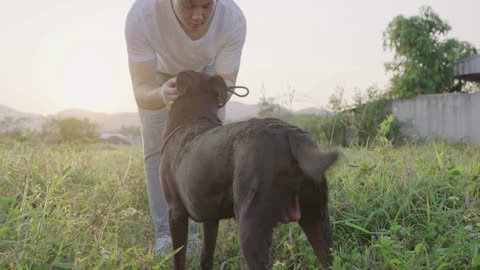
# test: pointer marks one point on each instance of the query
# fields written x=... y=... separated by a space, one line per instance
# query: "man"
x=163 y=38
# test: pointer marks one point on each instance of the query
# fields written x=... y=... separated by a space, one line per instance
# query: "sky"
x=61 y=54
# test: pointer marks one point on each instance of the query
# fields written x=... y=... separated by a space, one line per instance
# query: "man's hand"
x=169 y=91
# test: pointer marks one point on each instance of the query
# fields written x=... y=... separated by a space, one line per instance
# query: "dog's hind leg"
x=319 y=237
x=315 y=222
x=255 y=240
x=178 y=220
x=255 y=204
x=255 y=226
x=210 y=230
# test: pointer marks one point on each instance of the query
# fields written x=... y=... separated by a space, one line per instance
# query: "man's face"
x=194 y=14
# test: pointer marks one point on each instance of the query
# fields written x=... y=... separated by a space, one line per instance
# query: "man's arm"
x=230 y=78
x=147 y=82
x=228 y=59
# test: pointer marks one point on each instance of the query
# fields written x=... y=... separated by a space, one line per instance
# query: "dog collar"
x=168 y=138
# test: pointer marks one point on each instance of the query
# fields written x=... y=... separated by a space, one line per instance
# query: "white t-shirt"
x=152 y=32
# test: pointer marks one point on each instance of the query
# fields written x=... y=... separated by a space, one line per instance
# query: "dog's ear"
x=219 y=89
x=184 y=82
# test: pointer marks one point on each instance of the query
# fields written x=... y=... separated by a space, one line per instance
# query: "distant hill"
x=236 y=111
x=6 y=111
x=313 y=110
x=29 y=120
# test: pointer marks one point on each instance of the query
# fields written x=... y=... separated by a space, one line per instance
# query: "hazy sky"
x=58 y=54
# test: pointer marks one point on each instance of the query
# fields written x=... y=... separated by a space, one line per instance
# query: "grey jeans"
x=153 y=123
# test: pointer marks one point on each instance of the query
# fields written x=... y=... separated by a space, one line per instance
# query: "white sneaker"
x=163 y=246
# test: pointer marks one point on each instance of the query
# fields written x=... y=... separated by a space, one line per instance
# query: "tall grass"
x=73 y=206
x=85 y=207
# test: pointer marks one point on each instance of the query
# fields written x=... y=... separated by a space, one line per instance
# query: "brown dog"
x=262 y=172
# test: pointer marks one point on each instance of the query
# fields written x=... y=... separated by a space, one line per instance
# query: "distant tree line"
x=57 y=130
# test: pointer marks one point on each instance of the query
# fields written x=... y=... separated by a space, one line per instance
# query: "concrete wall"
x=454 y=117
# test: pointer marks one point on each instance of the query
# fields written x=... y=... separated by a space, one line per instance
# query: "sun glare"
x=77 y=66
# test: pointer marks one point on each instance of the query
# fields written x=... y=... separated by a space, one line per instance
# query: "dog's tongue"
x=293 y=210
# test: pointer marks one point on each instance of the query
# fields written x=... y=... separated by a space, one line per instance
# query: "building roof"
x=115 y=138
x=469 y=68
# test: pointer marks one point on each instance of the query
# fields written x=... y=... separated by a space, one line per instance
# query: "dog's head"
x=195 y=87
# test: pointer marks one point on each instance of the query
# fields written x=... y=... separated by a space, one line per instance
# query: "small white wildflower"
x=278 y=263
x=52 y=202
x=104 y=252
x=129 y=212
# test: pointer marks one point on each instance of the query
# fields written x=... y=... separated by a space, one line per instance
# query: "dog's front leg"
x=178 y=220
x=210 y=230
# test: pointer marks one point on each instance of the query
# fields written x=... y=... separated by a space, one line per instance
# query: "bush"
x=360 y=123
x=70 y=130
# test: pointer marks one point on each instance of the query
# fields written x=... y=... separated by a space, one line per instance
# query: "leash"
x=230 y=89
x=169 y=137
x=175 y=130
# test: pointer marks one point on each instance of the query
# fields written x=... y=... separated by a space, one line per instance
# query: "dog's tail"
x=311 y=160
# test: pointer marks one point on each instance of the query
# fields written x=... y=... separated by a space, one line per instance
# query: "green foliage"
x=409 y=208
x=348 y=125
x=385 y=129
x=269 y=108
x=424 y=60
x=70 y=130
x=319 y=127
x=365 y=120
x=358 y=124
x=74 y=206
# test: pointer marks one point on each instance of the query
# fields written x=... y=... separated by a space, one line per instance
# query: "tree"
x=70 y=130
x=424 y=60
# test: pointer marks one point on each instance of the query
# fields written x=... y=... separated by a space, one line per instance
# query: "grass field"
x=85 y=207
